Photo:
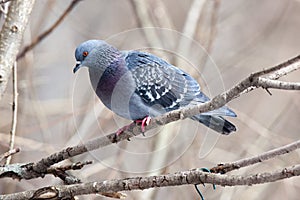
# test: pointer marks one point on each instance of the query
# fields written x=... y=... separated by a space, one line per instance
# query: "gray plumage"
x=136 y=84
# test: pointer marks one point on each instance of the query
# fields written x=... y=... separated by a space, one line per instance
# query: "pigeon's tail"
x=216 y=123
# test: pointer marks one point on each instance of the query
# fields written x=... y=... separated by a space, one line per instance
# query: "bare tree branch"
x=24 y=171
x=277 y=74
x=11 y=36
x=190 y=177
x=48 y=31
x=60 y=171
x=268 y=83
x=284 y=71
x=14 y=111
x=9 y=153
x=224 y=168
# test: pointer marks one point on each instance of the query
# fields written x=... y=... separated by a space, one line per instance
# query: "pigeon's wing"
x=160 y=83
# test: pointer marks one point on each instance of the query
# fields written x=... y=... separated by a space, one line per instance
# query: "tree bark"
x=11 y=36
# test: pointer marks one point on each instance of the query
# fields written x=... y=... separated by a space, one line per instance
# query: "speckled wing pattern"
x=160 y=83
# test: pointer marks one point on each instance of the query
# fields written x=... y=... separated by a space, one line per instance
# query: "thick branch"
x=191 y=177
x=11 y=36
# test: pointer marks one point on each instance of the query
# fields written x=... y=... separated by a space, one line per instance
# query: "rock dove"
x=138 y=85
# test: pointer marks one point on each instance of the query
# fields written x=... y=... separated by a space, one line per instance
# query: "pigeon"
x=137 y=85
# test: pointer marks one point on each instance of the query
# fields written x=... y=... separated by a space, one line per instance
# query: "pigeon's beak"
x=77 y=66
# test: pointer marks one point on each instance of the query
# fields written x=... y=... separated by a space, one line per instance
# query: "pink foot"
x=145 y=122
x=121 y=130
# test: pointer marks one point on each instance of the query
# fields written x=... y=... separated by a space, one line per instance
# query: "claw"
x=144 y=122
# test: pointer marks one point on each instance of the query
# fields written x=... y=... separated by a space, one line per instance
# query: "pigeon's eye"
x=85 y=53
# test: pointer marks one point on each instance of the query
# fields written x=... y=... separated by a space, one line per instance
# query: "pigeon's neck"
x=104 y=82
x=104 y=64
x=107 y=56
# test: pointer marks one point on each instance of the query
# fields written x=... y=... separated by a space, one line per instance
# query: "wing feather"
x=160 y=83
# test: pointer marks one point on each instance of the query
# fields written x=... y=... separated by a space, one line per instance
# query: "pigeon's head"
x=89 y=53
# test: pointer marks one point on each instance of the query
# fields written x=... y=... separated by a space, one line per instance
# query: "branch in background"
x=191 y=21
x=34 y=170
x=191 y=177
x=190 y=26
x=14 y=102
x=14 y=112
x=210 y=37
x=48 y=31
x=11 y=36
x=143 y=18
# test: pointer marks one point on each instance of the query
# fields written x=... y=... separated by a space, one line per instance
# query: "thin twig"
x=61 y=172
x=9 y=153
x=277 y=74
x=14 y=112
x=275 y=84
x=289 y=63
x=284 y=71
x=72 y=166
x=224 y=168
x=48 y=31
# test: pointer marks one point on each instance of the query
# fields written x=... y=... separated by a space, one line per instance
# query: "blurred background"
x=217 y=42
